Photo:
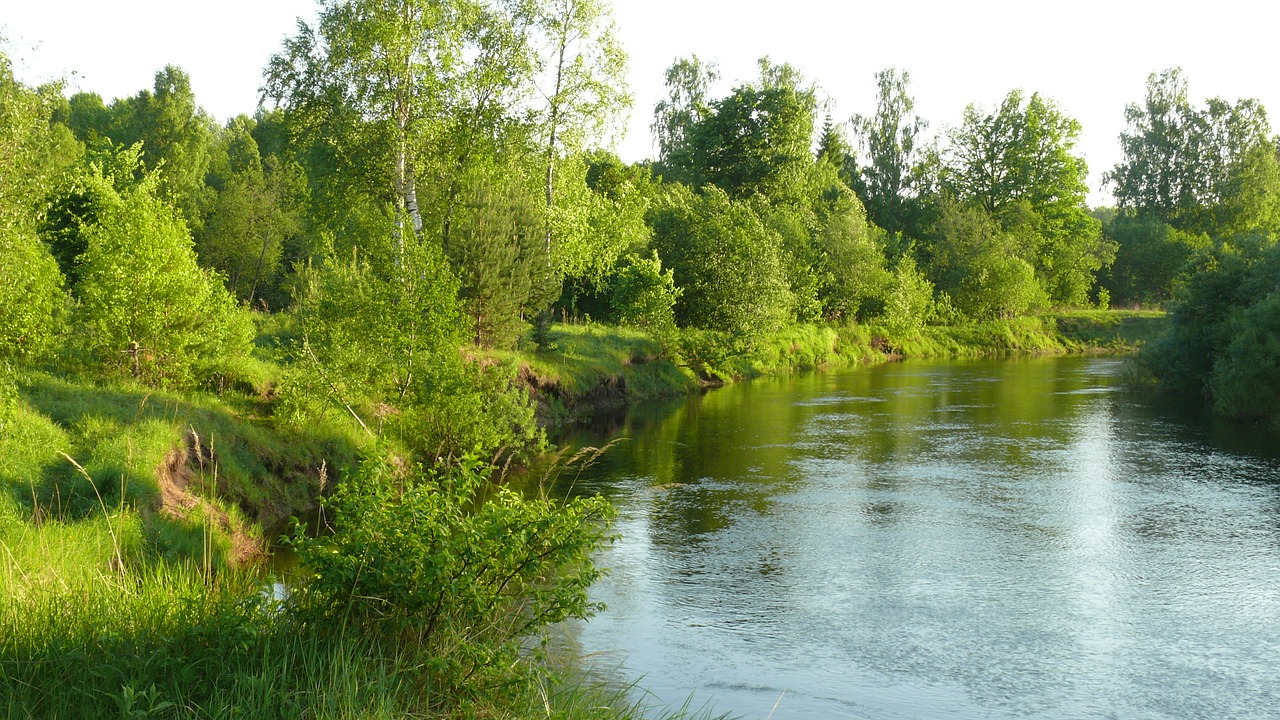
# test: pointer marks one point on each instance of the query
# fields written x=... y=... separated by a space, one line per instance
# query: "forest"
x=205 y=328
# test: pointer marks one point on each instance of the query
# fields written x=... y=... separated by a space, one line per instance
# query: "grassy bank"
x=587 y=368
x=132 y=523
x=84 y=637
x=177 y=461
x=95 y=622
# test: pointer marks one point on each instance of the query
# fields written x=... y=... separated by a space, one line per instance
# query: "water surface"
x=941 y=540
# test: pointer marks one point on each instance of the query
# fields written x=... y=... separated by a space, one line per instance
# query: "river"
x=999 y=539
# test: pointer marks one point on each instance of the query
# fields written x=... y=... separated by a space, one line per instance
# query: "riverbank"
x=134 y=522
x=132 y=583
x=584 y=370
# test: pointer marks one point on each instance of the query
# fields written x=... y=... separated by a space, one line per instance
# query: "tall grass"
x=94 y=623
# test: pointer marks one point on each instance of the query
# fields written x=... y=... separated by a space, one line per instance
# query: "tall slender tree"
x=587 y=80
x=895 y=171
x=393 y=63
x=688 y=103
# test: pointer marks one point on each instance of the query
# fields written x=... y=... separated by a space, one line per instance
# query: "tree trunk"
x=555 y=126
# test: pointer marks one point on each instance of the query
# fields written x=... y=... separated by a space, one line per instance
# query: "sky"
x=1092 y=57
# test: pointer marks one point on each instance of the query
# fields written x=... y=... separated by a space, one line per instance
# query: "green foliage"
x=908 y=301
x=1152 y=258
x=31 y=296
x=175 y=134
x=587 y=69
x=598 y=217
x=1019 y=165
x=1221 y=342
x=849 y=262
x=147 y=309
x=758 y=139
x=257 y=210
x=386 y=353
x=1022 y=151
x=897 y=170
x=1212 y=171
x=428 y=559
x=498 y=247
x=801 y=258
x=982 y=267
x=833 y=147
x=687 y=104
x=77 y=202
x=728 y=263
x=644 y=295
x=1245 y=380
x=999 y=287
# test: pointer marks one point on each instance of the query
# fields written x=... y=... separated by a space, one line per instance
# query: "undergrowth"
x=94 y=623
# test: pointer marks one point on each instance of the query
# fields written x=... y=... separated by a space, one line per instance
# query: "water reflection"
x=998 y=539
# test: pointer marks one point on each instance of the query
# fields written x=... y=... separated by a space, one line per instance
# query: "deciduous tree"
x=1018 y=165
x=146 y=308
x=894 y=173
x=1212 y=170
x=32 y=155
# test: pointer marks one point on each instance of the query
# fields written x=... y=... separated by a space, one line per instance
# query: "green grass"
x=587 y=367
x=1018 y=336
x=584 y=368
x=94 y=624
x=1111 y=330
x=220 y=462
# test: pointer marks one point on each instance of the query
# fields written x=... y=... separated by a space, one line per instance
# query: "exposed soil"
x=193 y=461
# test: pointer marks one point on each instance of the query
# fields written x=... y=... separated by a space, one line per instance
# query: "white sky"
x=1091 y=56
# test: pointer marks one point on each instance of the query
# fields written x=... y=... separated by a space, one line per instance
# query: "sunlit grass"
x=94 y=624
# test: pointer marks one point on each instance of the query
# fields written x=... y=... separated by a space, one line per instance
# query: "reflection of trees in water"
x=938 y=521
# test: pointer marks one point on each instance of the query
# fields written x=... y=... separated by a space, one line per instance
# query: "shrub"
x=644 y=295
x=387 y=354
x=1222 y=337
x=727 y=262
x=30 y=296
x=1245 y=380
x=908 y=303
x=147 y=309
x=442 y=560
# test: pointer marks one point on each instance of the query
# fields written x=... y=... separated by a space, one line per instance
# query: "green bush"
x=1245 y=380
x=999 y=286
x=147 y=309
x=1152 y=258
x=908 y=301
x=1223 y=281
x=31 y=297
x=386 y=353
x=444 y=561
x=728 y=263
x=644 y=295
x=33 y=151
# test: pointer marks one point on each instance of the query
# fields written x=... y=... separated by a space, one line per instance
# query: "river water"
x=1005 y=539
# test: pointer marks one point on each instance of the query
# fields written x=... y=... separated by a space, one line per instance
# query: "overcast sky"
x=1091 y=56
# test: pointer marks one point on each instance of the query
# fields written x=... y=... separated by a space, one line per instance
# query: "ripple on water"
x=979 y=540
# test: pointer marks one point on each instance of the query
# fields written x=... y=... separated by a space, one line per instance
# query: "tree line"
x=425 y=175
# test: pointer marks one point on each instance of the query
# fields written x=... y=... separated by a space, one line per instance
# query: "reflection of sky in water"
x=964 y=540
